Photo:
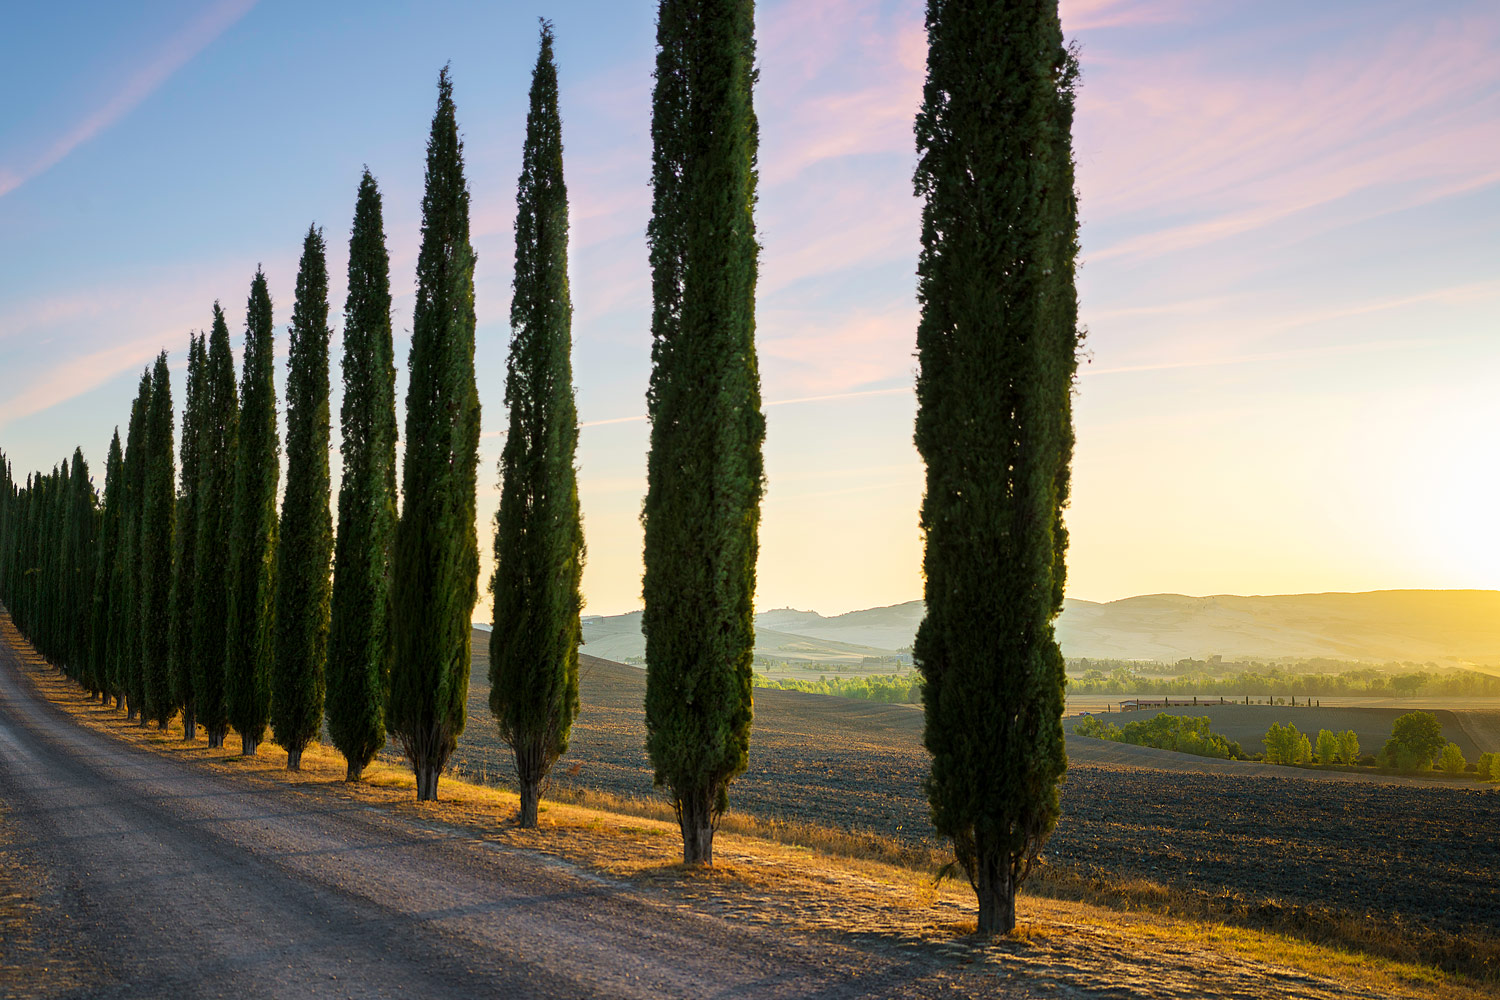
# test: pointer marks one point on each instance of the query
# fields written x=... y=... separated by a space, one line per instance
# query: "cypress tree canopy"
x=252 y=552
x=997 y=344
x=436 y=570
x=359 y=648
x=158 y=509
x=702 y=508
x=538 y=528
x=213 y=567
x=306 y=539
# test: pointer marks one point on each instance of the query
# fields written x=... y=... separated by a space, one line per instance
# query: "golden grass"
x=811 y=881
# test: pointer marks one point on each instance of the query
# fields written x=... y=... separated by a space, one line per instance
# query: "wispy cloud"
x=172 y=56
x=81 y=374
x=1226 y=149
x=1094 y=15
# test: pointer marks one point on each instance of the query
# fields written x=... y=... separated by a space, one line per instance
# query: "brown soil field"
x=1421 y=852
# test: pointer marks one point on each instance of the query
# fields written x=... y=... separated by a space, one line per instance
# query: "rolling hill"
x=1448 y=627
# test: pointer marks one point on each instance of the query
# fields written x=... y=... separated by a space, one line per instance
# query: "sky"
x=1288 y=276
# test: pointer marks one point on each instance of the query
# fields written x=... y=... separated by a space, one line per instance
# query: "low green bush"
x=1165 y=731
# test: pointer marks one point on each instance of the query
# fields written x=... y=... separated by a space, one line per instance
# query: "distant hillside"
x=1443 y=626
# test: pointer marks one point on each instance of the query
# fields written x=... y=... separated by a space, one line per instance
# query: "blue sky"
x=1289 y=260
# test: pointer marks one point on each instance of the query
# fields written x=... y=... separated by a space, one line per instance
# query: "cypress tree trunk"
x=212 y=563
x=702 y=509
x=252 y=555
x=306 y=535
x=157 y=522
x=186 y=540
x=538 y=528
x=997 y=345
x=436 y=566
x=359 y=649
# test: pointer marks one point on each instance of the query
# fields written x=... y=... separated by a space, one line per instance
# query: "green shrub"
x=1181 y=733
x=1090 y=725
x=1489 y=766
x=1328 y=747
x=1453 y=760
x=1285 y=745
x=1348 y=747
x=1416 y=738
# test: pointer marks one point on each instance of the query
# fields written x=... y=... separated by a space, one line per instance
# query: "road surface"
x=166 y=880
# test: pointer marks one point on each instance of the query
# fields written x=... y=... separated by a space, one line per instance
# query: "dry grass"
x=1474 y=957
x=813 y=882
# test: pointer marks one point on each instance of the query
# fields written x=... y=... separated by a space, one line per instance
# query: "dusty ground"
x=195 y=872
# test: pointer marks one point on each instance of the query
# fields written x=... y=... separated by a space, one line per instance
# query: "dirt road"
x=163 y=880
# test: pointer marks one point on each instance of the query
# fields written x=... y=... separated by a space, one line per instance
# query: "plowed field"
x=1425 y=852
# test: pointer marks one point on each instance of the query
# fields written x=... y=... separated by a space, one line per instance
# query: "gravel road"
x=172 y=882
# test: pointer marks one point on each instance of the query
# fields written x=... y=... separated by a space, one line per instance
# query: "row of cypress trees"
x=170 y=629
x=200 y=597
x=203 y=598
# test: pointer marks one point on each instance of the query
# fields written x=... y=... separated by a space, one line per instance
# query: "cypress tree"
x=218 y=449
x=186 y=540
x=997 y=344
x=125 y=637
x=158 y=518
x=7 y=525
x=51 y=634
x=82 y=514
x=705 y=473
x=252 y=540
x=359 y=648
x=538 y=528
x=436 y=568
x=305 y=545
x=104 y=568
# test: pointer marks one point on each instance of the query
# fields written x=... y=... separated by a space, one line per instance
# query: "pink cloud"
x=1242 y=151
x=173 y=55
x=1093 y=15
x=80 y=374
x=805 y=354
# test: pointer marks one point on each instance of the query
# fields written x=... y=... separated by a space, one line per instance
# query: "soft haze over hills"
x=1444 y=626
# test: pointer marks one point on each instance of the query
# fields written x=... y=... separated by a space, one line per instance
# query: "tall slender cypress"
x=252 y=539
x=436 y=572
x=705 y=472
x=101 y=610
x=538 y=528
x=126 y=598
x=359 y=647
x=997 y=344
x=158 y=518
x=218 y=449
x=82 y=528
x=184 y=559
x=305 y=544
